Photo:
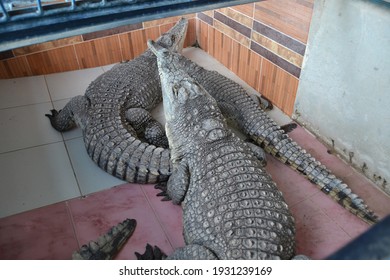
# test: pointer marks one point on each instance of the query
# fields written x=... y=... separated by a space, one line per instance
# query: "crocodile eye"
x=175 y=91
x=173 y=39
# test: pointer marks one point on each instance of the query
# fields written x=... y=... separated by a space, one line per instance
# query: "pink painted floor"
x=55 y=231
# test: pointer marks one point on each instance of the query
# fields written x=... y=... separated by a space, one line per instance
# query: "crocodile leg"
x=64 y=119
x=258 y=152
x=145 y=126
x=176 y=187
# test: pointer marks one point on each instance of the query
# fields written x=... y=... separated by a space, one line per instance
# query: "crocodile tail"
x=236 y=105
x=107 y=245
x=275 y=141
x=120 y=153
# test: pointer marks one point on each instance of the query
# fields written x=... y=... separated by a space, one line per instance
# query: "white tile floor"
x=40 y=166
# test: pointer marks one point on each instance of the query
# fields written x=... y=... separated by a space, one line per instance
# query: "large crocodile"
x=231 y=207
x=116 y=107
x=241 y=111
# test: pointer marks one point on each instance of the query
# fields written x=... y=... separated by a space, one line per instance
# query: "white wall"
x=344 y=90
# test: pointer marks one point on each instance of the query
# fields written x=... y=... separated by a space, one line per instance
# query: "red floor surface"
x=55 y=231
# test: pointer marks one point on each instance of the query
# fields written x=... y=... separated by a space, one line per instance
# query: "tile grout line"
x=158 y=218
x=64 y=142
x=70 y=215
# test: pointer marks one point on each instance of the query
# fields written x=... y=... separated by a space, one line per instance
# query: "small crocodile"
x=114 y=114
x=231 y=207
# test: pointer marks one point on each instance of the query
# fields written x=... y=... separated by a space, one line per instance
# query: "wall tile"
x=14 y=67
x=47 y=45
x=99 y=52
x=278 y=86
x=227 y=53
x=206 y=18
x=202 y=35
x=232 y=33
x=211 y=33
x=284 y=64
x=246 y=9
x=53 y=61
x=279 y=37
x=244 y=30
x=110 y=32
x=289 y=17
x=253 y=76
x=235 y=56
x=277 y=49
x=6 y=54
x=240 y=18
x=166 y=20
x=244 y=56
x=191 y=33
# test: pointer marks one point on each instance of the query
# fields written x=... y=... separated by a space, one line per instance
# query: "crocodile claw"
x=151 y=253
x=53 y=114
x=289 y=127
x=265 y=103
x=163 y=187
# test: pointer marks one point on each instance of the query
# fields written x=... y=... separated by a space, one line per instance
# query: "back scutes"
x=274 y=141
x=128 y=158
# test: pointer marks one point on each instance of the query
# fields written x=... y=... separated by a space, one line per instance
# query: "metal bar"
x=39 y=7
x=371 y=245
x=4 y=12
x=21 y=30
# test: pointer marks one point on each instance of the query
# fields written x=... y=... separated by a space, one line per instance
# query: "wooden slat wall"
x=263 y=43
x=88 y=50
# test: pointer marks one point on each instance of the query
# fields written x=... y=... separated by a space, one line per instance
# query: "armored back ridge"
x=115 y=102
x=231 y=207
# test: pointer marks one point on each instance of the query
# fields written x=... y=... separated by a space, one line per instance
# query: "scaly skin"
x=244 y=113
x=114 y=145
x=104 y=114
x=107 y=245
x=231 y=207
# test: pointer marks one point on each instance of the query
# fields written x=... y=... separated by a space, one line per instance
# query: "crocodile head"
x=175 y=37
x=190 y=111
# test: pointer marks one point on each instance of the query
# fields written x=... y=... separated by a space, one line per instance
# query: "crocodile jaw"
x=174 y=39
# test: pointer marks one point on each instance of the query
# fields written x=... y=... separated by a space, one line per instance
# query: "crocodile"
x=110 y=111
x=231 y=207
x=107 y=245
x=114 y=114
x=243 y=113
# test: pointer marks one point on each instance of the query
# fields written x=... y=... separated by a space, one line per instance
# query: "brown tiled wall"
x=262 y=42
x=88 y=50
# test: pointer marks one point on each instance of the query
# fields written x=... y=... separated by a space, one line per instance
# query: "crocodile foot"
x=163 y=187
x=53 y=115
x=60 y=122
x=289 y=127
x=265 y=103
x=151 y=253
